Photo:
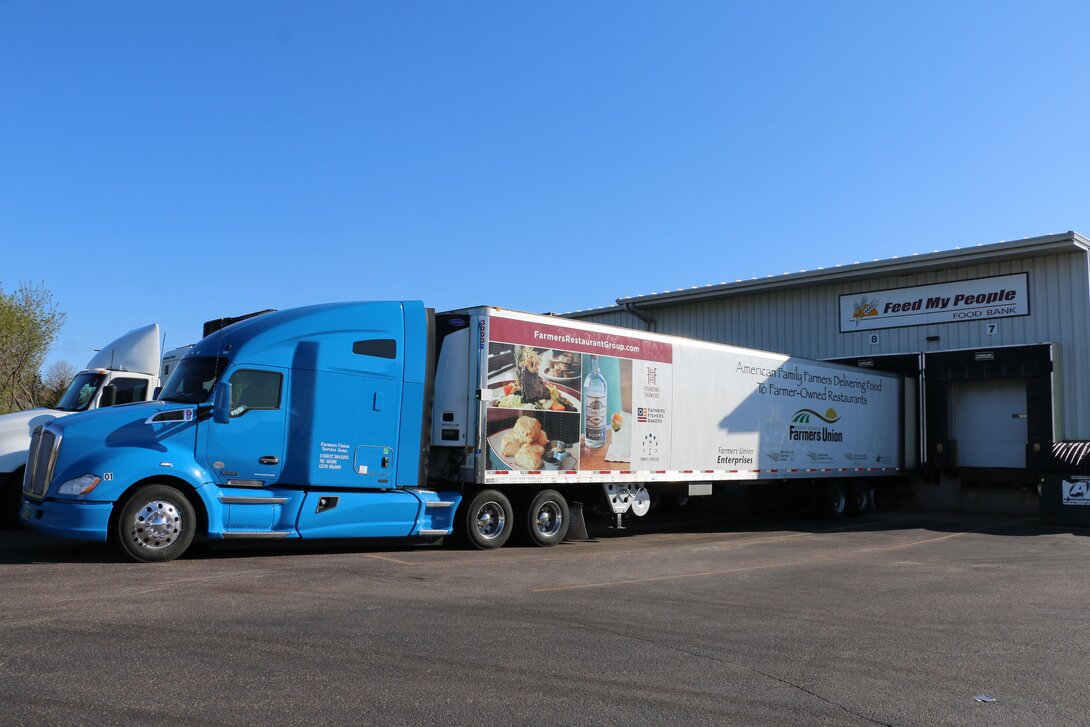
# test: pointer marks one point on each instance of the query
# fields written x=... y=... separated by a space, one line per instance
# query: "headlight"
x=79 y=486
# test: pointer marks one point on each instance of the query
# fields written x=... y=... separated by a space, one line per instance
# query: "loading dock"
x=995 y=339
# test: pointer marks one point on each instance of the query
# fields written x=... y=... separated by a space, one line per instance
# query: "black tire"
x=832 y=499
x=546 y=518
x=857 y=498
x=11 y=499
x=156 y=524
x=487 y=520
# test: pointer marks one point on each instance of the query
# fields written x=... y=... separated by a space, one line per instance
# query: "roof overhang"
x=941 y=260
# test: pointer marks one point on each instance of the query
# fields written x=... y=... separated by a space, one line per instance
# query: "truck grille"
x=44 y=445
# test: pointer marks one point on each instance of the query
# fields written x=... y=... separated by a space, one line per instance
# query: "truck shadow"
x=717 y=519
x=23 y=546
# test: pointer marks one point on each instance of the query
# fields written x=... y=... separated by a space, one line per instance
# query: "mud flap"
x=577 y=524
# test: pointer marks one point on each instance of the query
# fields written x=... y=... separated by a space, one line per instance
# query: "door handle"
x=269 y=459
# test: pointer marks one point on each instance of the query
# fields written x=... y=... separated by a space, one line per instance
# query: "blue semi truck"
x=387 y=420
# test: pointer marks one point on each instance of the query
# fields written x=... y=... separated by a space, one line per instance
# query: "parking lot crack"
x=814 y=694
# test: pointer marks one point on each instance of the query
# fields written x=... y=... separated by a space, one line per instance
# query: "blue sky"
x=176 y=162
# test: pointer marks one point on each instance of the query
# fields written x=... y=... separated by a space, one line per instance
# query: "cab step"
x=249 y=534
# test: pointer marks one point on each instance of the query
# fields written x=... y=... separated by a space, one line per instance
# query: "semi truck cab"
x=306 y=423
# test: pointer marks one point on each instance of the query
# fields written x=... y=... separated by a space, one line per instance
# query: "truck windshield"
x=80 y=392
x=194 y=379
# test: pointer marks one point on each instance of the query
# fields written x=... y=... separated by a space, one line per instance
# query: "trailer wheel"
x=546 y=518
x=488 y=519
x=156 y=524
x=857 y=498
x=832 y=499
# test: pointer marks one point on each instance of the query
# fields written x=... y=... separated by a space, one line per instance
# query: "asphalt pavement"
x=701 y=617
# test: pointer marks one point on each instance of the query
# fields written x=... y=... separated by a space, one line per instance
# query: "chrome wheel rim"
x=549 y=519
x=491 y=520
x=156 y=525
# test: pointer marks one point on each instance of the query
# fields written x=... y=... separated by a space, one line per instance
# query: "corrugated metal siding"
x=804 y=322
x=615 y=318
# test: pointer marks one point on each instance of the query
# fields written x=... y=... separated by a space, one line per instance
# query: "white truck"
x=170 y=361
x=124 y=371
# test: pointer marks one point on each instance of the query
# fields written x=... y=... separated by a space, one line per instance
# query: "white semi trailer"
x=640 y=414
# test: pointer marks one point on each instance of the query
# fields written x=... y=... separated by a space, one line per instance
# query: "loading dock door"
x=990 y=423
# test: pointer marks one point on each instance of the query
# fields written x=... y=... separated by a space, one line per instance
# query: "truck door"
x=351 y=425
x=250 y=446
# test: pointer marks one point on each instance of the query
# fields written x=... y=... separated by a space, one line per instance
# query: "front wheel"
x=487 y=520
x=156 y=524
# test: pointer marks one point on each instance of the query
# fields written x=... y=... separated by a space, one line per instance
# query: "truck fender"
x=197 y=494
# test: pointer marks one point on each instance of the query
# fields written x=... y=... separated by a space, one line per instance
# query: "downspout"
x=647 y=319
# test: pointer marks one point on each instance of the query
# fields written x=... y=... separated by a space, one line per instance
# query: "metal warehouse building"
x=994 y=341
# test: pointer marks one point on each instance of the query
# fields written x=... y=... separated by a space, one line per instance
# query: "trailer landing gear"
x=627 y=498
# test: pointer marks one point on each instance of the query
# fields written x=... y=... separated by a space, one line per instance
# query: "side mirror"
x=108 y=396
x=221 y=403
x=156 y=391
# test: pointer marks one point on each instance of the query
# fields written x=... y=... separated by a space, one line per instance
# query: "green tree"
x=29 y=323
